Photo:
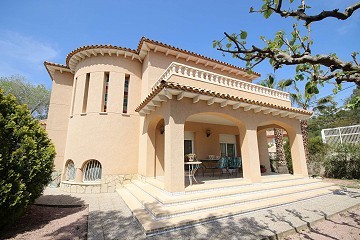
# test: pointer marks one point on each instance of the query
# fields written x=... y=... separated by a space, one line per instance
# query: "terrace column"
x=263 y=150
x=250 y=153
x=297 y=151
x=174 y=155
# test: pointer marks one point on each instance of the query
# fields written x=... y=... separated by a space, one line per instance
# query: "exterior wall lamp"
x=208 y=132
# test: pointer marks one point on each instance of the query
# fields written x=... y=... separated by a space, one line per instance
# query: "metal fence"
x=348 y=134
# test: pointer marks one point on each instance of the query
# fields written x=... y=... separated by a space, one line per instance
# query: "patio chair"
x=222 y=164
x=235 y=164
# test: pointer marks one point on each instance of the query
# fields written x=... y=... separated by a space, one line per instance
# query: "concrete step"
x=165 y=211
x=170 y=217
x=172 y=199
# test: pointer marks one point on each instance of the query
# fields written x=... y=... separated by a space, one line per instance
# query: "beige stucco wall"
x=111 y=137
x=58 y=115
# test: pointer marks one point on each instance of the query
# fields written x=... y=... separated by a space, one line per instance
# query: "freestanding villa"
x=125 y=120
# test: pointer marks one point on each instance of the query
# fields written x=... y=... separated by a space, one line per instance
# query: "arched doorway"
x=294 y=162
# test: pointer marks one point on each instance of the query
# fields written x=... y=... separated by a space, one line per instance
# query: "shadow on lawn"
x=63 y=208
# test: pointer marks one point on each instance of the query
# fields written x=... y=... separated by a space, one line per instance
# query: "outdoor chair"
x=235 y=164
x=222 y=164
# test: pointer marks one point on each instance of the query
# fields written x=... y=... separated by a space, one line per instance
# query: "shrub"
x=26 y=159
x=318 y=152
x=343 y=162
x=288 y=158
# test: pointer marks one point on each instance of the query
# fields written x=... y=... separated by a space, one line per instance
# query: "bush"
x=318 y=152
x=288 y=158
x=26 y=159
x=344 y=162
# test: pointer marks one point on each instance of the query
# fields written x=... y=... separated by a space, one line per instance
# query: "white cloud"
x=20 y=54
x=25 y=48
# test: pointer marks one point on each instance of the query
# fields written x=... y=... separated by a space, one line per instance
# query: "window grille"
x=70 y=171
x=349 y=134
x=92 y=171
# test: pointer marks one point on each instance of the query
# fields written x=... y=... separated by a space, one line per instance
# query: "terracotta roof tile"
x=144 y=39
x=174 y=85
x=55 y=64
x=107 y=46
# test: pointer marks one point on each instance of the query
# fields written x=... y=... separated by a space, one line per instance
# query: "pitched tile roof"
x=144 y=39
x=147 y=40
x=187 y=88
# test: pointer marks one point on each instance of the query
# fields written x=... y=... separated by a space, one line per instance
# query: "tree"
x=295 y=48
x=278 y=132
x=353 y=102
x=307 y=100
x=36 y=97
x=26 y=158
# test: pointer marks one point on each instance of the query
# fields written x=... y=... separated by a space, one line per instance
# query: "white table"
x=193 y=167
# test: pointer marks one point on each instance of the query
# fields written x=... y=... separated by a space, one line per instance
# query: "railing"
x=179 y=69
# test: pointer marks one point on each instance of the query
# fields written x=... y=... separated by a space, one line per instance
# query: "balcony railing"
x=182 y=70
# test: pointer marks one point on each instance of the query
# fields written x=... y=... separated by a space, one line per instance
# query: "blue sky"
x=34 y=31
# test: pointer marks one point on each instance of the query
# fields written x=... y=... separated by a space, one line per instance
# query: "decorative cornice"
x=165 y=88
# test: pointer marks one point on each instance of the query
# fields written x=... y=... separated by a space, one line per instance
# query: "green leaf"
x=243 y=34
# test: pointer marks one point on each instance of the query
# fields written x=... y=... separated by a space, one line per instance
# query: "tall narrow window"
x=73 y=99
x=105 y=91
x=86 y=91
x=126 y=93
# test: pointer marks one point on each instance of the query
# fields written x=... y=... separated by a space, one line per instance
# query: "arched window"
x=92 y=171
x=70 y=171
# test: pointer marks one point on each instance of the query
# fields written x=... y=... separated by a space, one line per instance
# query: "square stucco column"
x=298 y=152
x=250 y=154
x=263 y=149
x=174 y=156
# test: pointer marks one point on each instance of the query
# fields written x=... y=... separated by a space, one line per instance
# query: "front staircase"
x=158 y=210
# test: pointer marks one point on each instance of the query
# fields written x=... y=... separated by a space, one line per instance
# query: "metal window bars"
x=92 y=171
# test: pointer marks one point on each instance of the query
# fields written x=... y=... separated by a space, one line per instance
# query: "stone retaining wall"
x=109 y=183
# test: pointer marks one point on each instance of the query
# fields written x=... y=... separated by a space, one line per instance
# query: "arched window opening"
x=70 y=171
x=92 y=171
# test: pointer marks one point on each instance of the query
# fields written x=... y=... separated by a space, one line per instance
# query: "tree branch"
x=300 y=13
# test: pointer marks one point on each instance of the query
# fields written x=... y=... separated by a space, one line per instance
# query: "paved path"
x=110 y=218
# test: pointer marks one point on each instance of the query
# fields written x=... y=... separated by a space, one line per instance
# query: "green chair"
x=223 y=164
x=235 y=164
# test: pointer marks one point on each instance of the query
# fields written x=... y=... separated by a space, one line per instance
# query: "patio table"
x=193 y=167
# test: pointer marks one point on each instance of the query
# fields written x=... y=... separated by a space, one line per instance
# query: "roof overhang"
x=169 y=90
x=52 y=67
x=145 y=45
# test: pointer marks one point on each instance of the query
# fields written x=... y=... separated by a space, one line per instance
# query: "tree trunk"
x=280 y=153
x=305 y=136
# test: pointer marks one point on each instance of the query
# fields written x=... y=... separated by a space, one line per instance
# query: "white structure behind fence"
x=348 y=134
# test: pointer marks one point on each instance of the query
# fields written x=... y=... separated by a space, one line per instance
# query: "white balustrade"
x=217 y=79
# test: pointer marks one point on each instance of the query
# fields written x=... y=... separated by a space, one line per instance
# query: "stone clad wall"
x=109 y=183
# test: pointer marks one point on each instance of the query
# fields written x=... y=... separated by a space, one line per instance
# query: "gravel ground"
x=345 y=225
x=43 y=222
